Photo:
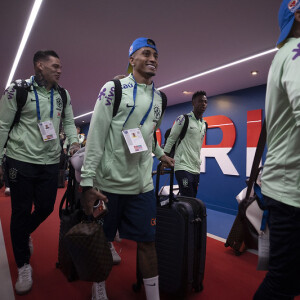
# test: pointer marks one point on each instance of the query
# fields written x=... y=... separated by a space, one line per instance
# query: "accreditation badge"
x=134 y=140
x=47 y=131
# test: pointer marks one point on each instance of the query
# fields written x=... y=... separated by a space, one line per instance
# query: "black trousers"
x=188 y=183
x=30 y=184
x=282 y=282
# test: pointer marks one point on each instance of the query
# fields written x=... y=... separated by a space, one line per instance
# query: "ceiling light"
x=254 y=73
x=32 y=17
x=86 y=114
x=207 y=72
x=187 y=93
x=220 y=68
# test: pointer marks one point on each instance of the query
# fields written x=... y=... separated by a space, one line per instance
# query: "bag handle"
x=158 y=174
x=69 y=195
x=257 y=157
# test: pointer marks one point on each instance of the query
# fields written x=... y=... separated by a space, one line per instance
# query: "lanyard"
x=38 y=103
x=133 y=107
x=260 y=196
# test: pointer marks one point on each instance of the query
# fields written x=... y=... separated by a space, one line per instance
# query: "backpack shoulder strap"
x=155 y=138
x=181 y=135
x=257 y=157
x=184 y=128
x=118 y=95
x=64 y=98
x=22 y=87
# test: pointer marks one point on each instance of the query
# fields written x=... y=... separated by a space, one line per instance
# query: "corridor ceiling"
x=92 y=38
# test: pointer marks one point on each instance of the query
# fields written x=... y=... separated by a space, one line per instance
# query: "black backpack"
x=181 y=136
x=118 y=97
x=22 y=88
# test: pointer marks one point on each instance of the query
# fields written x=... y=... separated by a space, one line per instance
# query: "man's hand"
x=74 y=148
x=89 y=198
x=1 y=173
x=167 y=162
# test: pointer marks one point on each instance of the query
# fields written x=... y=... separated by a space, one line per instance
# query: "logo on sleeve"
x=10 y=93
x=108 y=97
x=180 y=119
x=102 y=93
x=297 y=50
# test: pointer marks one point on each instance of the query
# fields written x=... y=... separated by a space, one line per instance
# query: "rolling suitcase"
x=180 y=243
x=70 y=214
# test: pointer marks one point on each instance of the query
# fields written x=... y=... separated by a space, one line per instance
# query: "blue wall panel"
x=217 y=190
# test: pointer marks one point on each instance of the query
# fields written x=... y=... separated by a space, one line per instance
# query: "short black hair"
x=43 y=55
x=198 y=93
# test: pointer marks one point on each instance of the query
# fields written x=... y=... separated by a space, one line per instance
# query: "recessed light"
x=207 y=72
x=254 y=73
x=187 y=93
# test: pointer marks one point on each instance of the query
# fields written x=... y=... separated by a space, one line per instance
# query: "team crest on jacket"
x=157 y=112
x=59 y=103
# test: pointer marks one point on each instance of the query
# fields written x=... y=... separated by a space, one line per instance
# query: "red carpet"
x=226 y=276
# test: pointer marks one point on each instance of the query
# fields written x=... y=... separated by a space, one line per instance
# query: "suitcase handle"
x=158 y=174
x=68 y=197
